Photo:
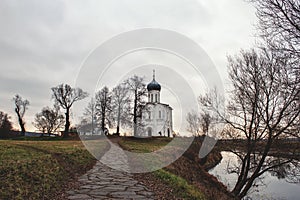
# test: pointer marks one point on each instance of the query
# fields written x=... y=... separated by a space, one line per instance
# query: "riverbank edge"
x=189 y=167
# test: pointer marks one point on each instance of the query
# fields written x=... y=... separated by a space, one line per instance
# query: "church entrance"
x=149 y=131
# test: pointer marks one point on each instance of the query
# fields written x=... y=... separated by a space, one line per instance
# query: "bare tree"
x=49 y=120
x=20 y=109
x=194 y=123
x=138 y=89
x=121 y=106
x=279 y=22
x=66 y=96
x=279 y=25
x=200 y=122
x=264 y=106
x=89 y=121
x=206 y=120
x=103 y=107
x=5 y=123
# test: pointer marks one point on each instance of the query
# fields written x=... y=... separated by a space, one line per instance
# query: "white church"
x=157 y=116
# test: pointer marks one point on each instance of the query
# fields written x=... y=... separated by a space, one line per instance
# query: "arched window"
x=151 y=97
x=159 y=114
x=155 y=97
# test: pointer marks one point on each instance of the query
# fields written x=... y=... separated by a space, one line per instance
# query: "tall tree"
x=20 y=108
x=5 y=123
x=138 y=89
x=49 y=120
x=103 y=107
x=89 y=121
x=279 y=23
x=66 y=96
x=264 y=106
x=121 y=106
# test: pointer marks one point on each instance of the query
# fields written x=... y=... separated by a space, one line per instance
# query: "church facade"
x=156 y=116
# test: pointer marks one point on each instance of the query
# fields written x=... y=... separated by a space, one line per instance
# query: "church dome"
x=153 y=85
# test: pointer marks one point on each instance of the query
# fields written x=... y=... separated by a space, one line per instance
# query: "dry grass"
x=40 y=169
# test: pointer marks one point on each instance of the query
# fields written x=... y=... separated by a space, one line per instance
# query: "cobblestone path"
x=103 y=182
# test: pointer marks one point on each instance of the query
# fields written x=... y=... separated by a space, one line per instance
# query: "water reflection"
x=282 y=182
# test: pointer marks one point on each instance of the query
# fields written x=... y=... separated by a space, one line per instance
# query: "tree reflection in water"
x=282 y=181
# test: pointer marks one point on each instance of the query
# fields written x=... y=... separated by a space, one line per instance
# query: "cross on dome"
x=153 y=85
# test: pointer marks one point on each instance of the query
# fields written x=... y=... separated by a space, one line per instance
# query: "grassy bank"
x=40 y=169
x=143 y=145
x=179 y=186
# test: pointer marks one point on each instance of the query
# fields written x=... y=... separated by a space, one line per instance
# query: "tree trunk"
x=118 y=130
x=118 y=121
x=135 y=114
x=67 y=125
x=257 y=170
x=22 y=127
x=103 y=122
x=242 y=179
x=22 y=124
x=245 y=183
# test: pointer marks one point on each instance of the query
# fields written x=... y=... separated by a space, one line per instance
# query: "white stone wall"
x=159 y=121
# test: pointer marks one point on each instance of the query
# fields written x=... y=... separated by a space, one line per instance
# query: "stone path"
x=103 y=182
x=116 y=158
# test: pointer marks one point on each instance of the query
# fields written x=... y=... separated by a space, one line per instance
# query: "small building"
x=156 y=116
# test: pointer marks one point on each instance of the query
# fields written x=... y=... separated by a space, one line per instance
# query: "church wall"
x=159 y=122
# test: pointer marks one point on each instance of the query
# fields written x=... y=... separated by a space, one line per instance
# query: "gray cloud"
x=43 y=43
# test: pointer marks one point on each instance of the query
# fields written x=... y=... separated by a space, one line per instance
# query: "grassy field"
x=180 y=186
x=40 y=169
x=144 y=145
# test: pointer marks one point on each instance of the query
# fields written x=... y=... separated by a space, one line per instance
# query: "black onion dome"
x=153 y=85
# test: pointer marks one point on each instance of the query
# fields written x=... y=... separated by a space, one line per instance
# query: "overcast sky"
x=44 y=43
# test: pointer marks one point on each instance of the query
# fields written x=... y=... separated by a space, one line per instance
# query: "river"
x=269 y=186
